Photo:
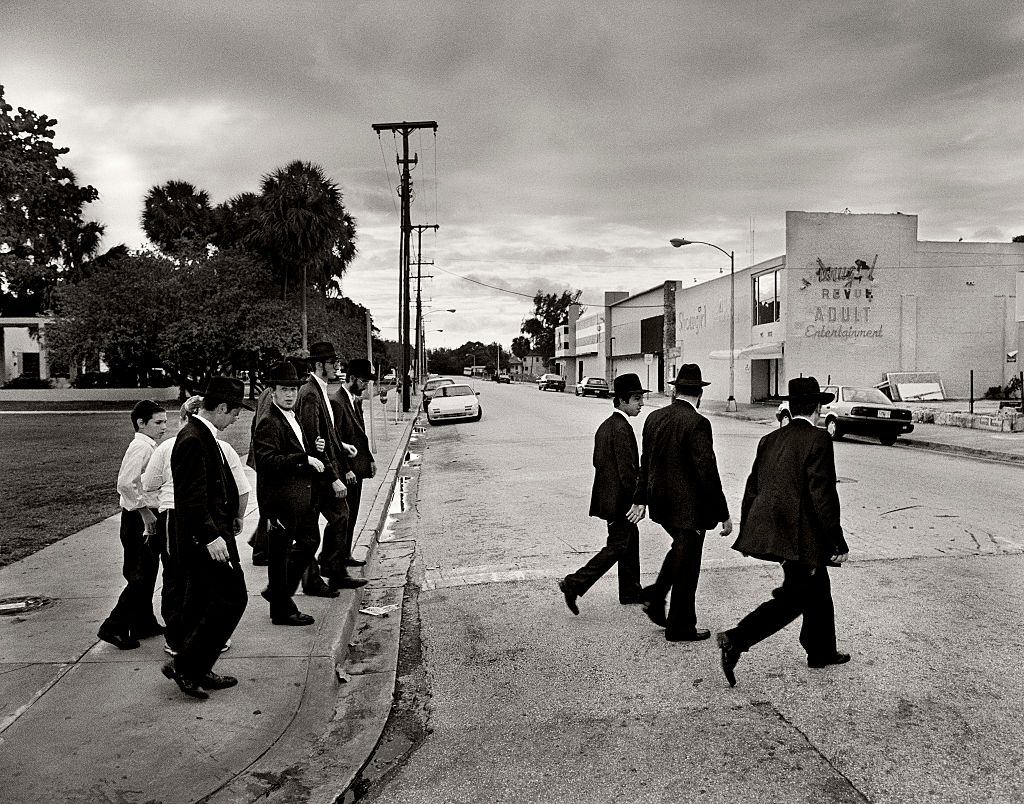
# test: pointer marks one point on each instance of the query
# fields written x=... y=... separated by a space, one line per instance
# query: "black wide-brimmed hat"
x=284 y=373
x=805 y=388
x=360 y=367
x=627 y=384
x=227 y=390
x=689 y=377
x=322 y=352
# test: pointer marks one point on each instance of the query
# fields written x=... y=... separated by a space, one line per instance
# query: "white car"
x=451 y=402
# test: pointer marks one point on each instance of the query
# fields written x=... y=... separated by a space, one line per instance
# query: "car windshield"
x=432 y=384
x=456 y=390
x=870 y=395
x=597 y=381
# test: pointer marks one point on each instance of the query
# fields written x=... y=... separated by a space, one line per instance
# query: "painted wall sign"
x=695 y=322
x=844 y=308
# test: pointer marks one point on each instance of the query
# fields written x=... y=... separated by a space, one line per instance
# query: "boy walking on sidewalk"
x=617 y=469
x=132 y=618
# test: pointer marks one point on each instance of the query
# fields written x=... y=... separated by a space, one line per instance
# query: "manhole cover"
x=20 y=605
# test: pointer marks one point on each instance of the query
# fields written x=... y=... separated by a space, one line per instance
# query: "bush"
x=93 y=379
x=28 y=383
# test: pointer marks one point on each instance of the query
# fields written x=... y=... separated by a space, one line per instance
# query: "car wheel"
x=577 y=392
x=888 y=439
x=784 y=419
x=479 y=414
x=431 y=422
x=832 y=426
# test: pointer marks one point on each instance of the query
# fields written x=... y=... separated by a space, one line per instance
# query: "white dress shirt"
x=289 y=416
x=157 y=477
x=129 y=478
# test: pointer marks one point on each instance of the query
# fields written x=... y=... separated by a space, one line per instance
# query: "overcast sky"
x=574 y=138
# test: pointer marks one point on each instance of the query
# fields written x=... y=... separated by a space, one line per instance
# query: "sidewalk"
x=984 y=444
x=81 y=721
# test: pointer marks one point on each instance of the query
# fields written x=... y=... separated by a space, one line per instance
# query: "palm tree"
x=177 y=217
x=303 y=225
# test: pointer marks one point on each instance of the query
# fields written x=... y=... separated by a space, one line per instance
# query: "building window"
x=766 y=298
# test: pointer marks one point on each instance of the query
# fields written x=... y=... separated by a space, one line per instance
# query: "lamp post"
x=421 y=353
x=682 y=241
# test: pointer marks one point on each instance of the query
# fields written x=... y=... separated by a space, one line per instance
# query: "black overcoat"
x=790 y=505
x=314 y=419
x=205 y=494
x=352 y=430
x=284 y=478
x=616 y=469
x=679 y=481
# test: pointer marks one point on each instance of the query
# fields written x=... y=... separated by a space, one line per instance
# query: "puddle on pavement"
x=399 y=505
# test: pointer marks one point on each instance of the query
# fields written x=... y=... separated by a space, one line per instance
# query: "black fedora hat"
x=284 y=373
x=322 y=352
x=628 y=384
x=801 y=388
x=689 y=377
x=227 y=390
x=360 y=367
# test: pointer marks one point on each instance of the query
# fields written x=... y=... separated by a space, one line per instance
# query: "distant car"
x=430 y=388
x=598 y=386
x=859 y=411
x=503 y=378
x=551 y=381
x=455 y=401
x=389 y=377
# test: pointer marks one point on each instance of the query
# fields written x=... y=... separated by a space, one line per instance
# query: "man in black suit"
x=790 y=514
x=680 y=485
x=318 y=425
x=205 y=507
x=348 y=408
x=617 y=467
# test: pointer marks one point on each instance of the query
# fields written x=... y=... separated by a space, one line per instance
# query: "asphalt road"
x=524 y=702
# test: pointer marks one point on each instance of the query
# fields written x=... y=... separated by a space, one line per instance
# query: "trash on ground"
x=379 y=611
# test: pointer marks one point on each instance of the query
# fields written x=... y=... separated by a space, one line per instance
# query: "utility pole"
x=405 y=129
x=419 y=301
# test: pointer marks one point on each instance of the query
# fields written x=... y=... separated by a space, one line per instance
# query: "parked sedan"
x=551 y=381
x=503 y=378
x=598 y=386
x=430 y=388
x=861 y=411
x=452 y=402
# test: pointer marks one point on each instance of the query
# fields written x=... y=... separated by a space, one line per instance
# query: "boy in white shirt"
x=132 y=617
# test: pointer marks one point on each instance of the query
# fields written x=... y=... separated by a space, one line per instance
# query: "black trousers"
x=355 y=495
x=622 y=548
x=679 y=574
x=291 y=547
x=172 y=595
x=336 y=547
x=806 y=591
x=133 y=612
x=258 y=541
x=215 y=599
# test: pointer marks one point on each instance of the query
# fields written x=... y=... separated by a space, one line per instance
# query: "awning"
x=758 y=351
x=763 y=351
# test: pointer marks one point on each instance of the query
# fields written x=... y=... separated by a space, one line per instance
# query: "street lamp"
x=682 y=241
x=421 y=351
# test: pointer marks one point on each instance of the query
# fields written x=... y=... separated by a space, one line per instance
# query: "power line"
x=387 y=174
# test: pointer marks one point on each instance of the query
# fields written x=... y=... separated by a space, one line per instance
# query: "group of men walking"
x=183 y=504
x=789 y=514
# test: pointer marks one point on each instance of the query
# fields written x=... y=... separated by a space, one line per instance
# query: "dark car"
x=594 y=386
x=552 y=382
x=503 y=377
x=859 y=411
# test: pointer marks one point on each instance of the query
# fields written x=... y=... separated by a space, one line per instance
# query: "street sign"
x=648 y=359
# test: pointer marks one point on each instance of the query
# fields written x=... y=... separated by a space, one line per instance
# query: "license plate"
x=884 y=414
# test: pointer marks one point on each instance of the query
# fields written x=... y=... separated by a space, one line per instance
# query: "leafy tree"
x=303 y=228
x=1018 y=239
x=177 y=218
x=549 y=311
x=521 y=346
x=42 y=234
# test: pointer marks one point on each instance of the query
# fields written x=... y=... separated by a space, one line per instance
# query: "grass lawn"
x=60 y=472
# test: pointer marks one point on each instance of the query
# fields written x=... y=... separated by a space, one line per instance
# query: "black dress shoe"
x=265 y=593
x=630 y=601
x=730 y=656
x=211 y=681
x=345 y=583
x=354 y=562
x=189 y=686
x=122 y=641
x=835 y=658
x=298 y=618
x=655 y=611
x=696 y=635
x=570 y=596
x=321 y=591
